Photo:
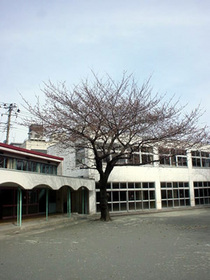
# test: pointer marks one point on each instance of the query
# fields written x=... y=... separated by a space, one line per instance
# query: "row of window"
x=179 y=158
x=129 y=206
x=27 y=165
x=129 y=185
x=174 y=185
x=170 y=157
x=142 y=156
x=126 y=196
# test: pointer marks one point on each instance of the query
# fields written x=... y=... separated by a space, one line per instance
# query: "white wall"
x=29 y=180
x=69 y=168
x=36 y=144
x=149 y=173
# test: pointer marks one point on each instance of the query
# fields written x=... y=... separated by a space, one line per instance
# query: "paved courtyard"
x=165 y=245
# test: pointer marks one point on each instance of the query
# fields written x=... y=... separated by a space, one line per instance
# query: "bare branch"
x=113 y=118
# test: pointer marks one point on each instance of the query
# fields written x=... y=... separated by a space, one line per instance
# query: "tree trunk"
x=105 y=216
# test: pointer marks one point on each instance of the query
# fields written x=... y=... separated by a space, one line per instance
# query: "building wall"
x=29 y=180
x=68 y=167
x=33 y=176
x=36 y=145
x=181 y=180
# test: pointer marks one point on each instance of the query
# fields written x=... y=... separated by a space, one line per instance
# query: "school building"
x=174 y=178
x=32 y=184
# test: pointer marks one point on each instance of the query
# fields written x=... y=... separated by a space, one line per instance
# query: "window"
x=181 y=161
x=19 y=164
x=80 y=156
x=121 y=161
x=134 y=159
x=202 y=193
x=146 y=155
x=200 y=159
x=172 y=157
x=175 y=194
x=48 y=169
x=32 y=166
x=129 y=196
x=3 y=162
x=138 y=156
x=142 y=156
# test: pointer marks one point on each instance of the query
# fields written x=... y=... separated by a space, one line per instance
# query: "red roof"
x=29 y=151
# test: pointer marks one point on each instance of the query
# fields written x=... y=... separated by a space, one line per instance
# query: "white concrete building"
x=36 y=140
x=181 y=180
x=32 y=183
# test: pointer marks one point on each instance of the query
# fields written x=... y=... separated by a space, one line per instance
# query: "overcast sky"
x=63 y=39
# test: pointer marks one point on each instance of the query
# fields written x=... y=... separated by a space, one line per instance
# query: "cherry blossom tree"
x=113 y=119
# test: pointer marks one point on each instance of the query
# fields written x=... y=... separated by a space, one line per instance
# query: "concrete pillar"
x=158 y=194
x=19 y=207
x=92 y=202
x=191 y=184
x=47 y=203
x=69 y=202
x=83 y=200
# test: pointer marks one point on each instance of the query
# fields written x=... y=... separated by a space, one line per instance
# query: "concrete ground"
x=163 y=245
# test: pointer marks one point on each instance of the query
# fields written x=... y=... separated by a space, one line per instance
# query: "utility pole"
x=8 y=122
x=10 y=108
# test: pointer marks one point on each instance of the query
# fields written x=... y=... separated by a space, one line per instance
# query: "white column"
x=191 y=184
x=92 y=202
x=157 y=180
x=158 y=194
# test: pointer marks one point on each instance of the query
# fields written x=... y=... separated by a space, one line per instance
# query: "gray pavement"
x=162 y=245
x=8 y=229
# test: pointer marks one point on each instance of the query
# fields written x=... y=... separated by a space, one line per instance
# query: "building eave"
x=26 y=152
